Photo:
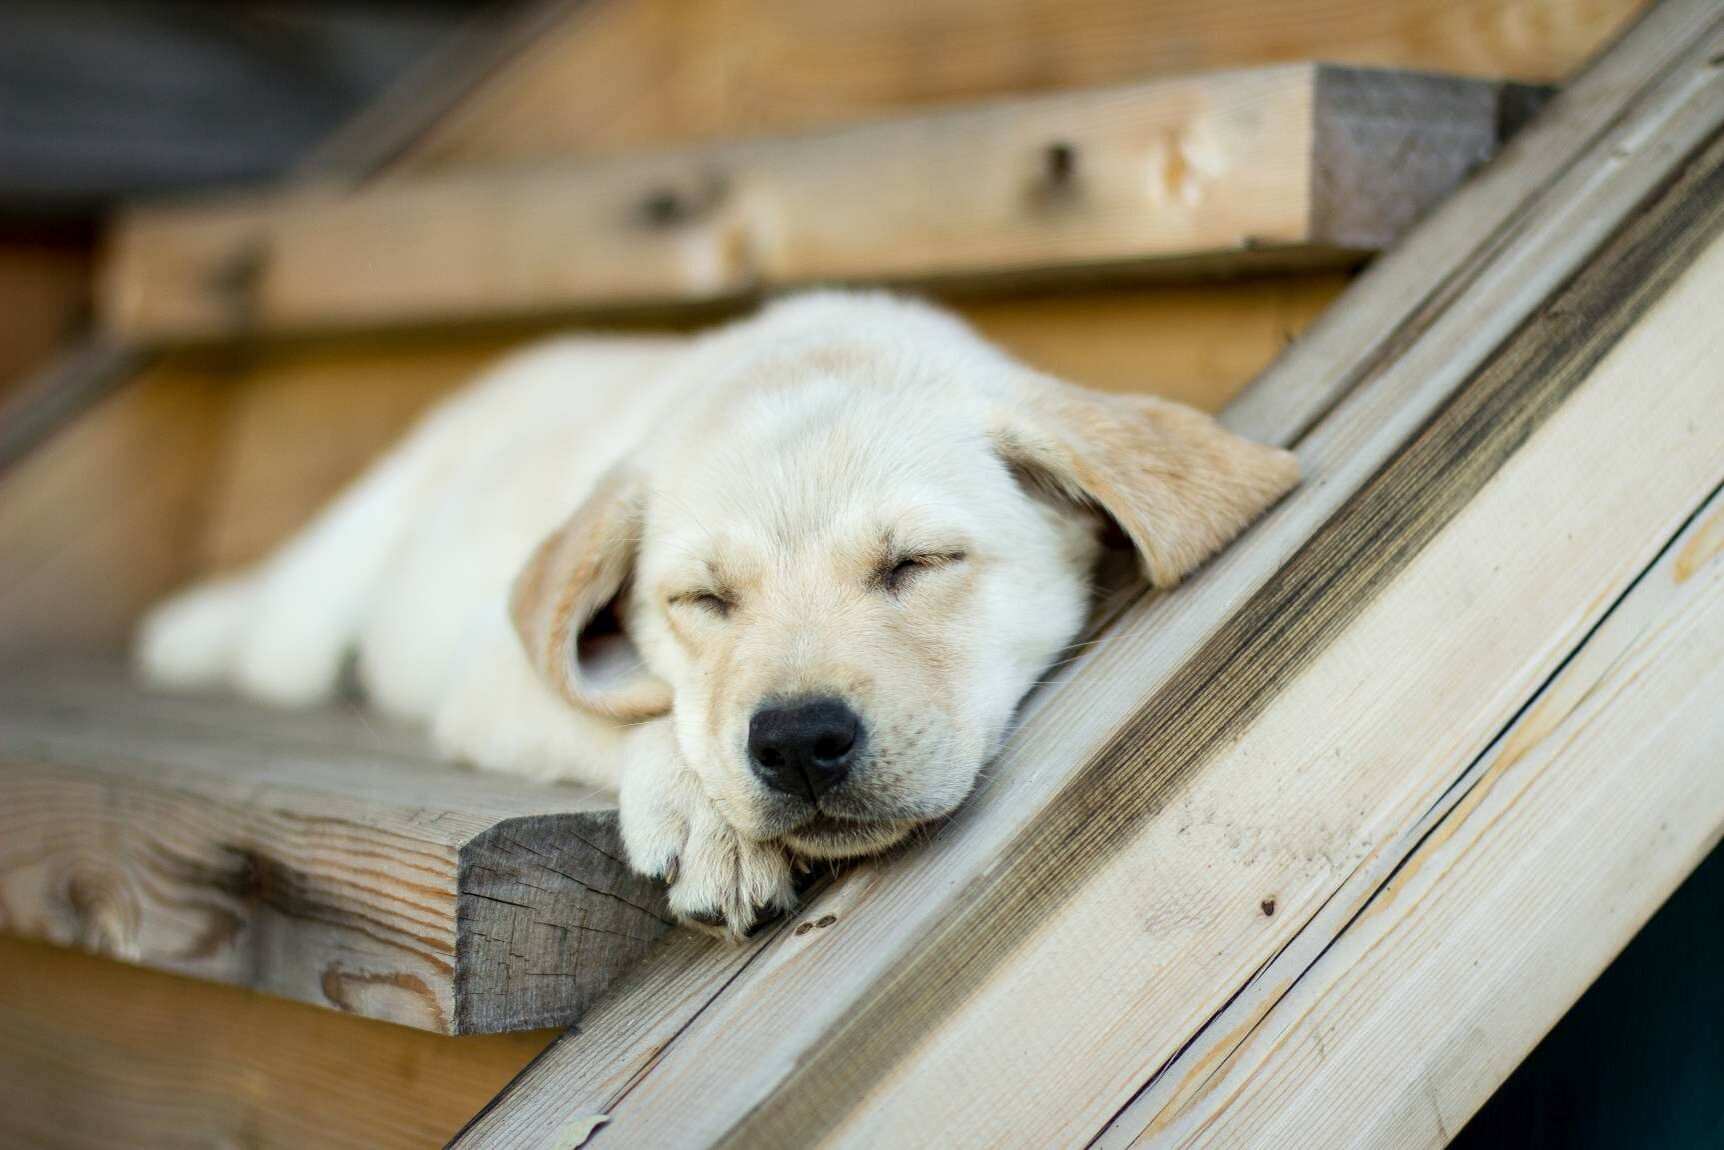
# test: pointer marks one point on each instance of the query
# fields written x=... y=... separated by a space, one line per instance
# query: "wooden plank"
x=622 y=74
x=96 y=1054
x=320 y=856
x=1038 y=190
x=809 y=997
x=1401 y=1007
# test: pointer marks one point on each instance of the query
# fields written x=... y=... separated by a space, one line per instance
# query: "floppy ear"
x=1179 y=484
x=567 y=609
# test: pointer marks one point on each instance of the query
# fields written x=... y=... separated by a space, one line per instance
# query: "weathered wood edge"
x=549 y=912
x=1437 y=133
x=321 y=857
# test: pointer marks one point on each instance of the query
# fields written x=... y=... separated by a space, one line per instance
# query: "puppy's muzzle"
x=804 y=747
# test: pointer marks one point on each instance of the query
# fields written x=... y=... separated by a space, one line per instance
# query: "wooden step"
x=1294 y=165
x=325 y=856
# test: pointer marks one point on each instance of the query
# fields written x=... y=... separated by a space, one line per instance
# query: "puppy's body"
x=411 y=567
x=816 y=560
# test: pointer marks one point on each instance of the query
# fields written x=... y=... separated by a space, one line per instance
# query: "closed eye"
x=709 y=601
x=898 y=572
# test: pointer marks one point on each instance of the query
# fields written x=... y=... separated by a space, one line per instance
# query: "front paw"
x=727 y=883
x=720 y=881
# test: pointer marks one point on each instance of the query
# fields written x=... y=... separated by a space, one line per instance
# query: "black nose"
x=804 y=747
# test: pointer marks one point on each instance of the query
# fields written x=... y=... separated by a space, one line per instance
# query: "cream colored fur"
x=849 y=495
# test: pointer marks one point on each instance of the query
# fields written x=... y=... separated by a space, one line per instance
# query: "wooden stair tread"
x=324 y=855
x=1295 y=165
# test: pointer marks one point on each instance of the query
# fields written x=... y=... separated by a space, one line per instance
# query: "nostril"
x=834 y=745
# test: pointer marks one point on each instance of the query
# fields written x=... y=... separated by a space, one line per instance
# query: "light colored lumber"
x=1298 y=165
x=620 y=74
x=305 y=419
x=103 y=518
x=318 y=855
x=1406 y=1001
x=1024 y=974
x=96 y=1055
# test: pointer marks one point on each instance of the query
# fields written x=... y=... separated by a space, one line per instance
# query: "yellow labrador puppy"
x=781 y=587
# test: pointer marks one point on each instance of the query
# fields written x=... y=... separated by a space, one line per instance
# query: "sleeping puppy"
x=781 y=587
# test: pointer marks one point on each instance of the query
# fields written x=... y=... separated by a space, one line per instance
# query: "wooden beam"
x=1403 y=1004
x=1472 y=509
x=97 y=1054
x=1295 y=165
x=321 y=856
x=626 y=74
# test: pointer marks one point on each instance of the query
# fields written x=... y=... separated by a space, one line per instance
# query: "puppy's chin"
x=837 y=833
x=825 y=837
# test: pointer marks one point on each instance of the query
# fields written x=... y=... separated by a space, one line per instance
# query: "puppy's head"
x=846 y=566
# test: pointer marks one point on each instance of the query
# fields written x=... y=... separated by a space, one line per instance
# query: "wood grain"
x=1221 y=172
x=1404 y=1003
x=816 y=1003
x=623 y=74
x=97 y=1054
x=320 y=856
